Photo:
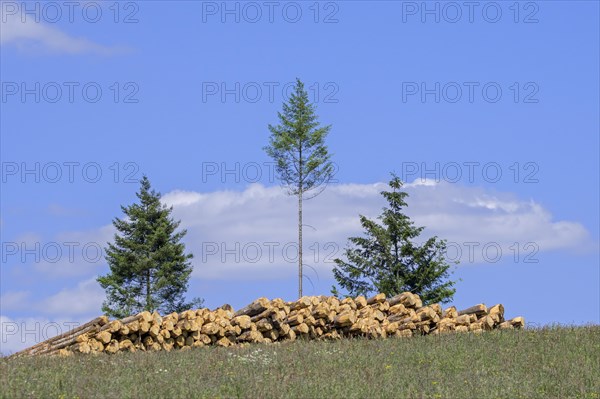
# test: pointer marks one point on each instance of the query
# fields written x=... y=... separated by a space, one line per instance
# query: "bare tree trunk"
x=148 y=291
x=300 y=242
x=300 y=189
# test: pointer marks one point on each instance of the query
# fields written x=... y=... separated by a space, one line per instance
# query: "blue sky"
x=490 y=114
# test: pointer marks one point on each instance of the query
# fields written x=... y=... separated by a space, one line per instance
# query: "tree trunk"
x=148 y=291
x=300 y=189
x=300 y=241
x=73 y=333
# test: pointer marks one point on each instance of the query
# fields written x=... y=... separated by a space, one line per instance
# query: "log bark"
x=478 y=310
x=256 y=307
x=263 y=315
x=404 y=318
x=84 y=328
x=376 y=299
x=407 y=326
x=66 y=342
x=408 y=299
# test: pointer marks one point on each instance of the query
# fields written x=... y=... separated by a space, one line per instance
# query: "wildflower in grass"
x=254 y=357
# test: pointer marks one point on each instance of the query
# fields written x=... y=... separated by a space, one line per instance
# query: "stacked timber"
x=267 y=321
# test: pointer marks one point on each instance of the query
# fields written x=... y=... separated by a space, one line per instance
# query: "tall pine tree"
x=302 y=161
x=149 y=269
x=387 y=259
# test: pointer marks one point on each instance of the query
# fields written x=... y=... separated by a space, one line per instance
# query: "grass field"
x=557 y=362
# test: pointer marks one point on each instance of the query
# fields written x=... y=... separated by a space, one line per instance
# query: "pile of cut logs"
x=266 y=321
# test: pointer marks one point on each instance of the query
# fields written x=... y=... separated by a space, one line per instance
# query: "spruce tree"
x=302 y=161
x=387 y=258
x=149 y=269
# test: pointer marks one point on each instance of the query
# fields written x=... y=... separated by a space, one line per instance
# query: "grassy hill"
x=556 y=362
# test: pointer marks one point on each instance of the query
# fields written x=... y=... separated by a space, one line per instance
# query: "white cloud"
x=83 y=299
x=28 y=239
x=69 y=254
x=53 y=315
x=82 y=253
x=35 y=37
x=14 y=300
x=422 y=182
x=177 y=198
x=86 y=298
x=228 y=229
